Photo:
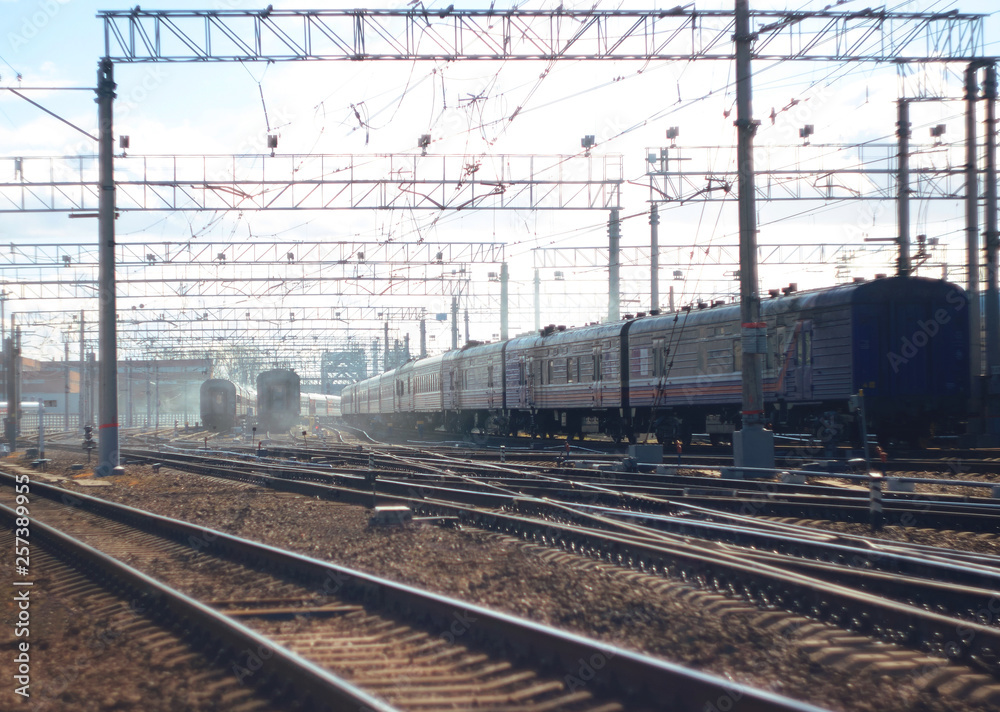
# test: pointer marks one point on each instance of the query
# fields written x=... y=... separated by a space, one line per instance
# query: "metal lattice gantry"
x=243 y=270
x=265 y=316
x=708 y=270
x=826 y=172
x=316 y=182
x=719 y=254
x=683 y=33
x=184 y=255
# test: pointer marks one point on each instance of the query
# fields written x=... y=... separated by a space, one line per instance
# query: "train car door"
x=448 y=389
x=597 y=385
x=804 y=360
x=528 y=390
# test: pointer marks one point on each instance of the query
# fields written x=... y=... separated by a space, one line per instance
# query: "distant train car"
x=559 y=378
x=903 y=341
x=224 y=405
x=319 y=408
x=278 y=400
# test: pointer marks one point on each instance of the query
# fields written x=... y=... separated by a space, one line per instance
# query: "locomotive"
x=902 y=341
x=224 y=405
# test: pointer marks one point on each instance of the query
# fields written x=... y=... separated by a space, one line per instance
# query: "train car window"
x=737 y=355
x=551 y=371
x=489 y=376
x=569 y=369
x=520 y=373
x=598 y=366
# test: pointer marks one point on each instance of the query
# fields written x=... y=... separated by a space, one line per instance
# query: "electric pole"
x=753 y=446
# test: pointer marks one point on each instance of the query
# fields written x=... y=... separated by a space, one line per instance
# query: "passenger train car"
x=224 y=405
x=278 y=400
x=318 y=408
x=900 y=340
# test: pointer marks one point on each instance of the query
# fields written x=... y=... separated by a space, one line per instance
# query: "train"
x=319 y=409
x=902 y=342
x=278 y=403
x=224 y=405
x=278 y=400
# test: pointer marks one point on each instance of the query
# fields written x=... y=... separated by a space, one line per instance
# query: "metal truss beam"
x=269 y=315
x=250 y=269
x=825 y=172
x=683 y=33
x=316 y=182
x=188 y=254
x=722 y=255
x=404 y=282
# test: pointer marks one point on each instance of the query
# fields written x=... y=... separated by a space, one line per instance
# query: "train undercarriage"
x=826 y=422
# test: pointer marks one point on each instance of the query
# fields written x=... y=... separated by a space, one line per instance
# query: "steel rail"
x=725 y=495
x=759 y=582
x=627 y=673
x=318 y=688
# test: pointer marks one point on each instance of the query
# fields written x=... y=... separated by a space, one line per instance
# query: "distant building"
x=58 y=383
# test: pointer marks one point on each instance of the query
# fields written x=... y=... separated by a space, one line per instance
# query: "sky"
x=482 y=111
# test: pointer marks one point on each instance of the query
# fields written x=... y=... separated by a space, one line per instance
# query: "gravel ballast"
x=770 y=650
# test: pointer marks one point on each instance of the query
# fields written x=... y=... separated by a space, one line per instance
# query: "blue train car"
x=911 y=354
x=902 y=341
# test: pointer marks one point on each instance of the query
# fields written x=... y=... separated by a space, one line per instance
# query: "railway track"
x=100 y=580
x=121 y=638
x=341 y=637
x=400 y=473
x=908 y=596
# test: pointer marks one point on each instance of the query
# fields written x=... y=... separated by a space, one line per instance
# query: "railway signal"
x=88 y=440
